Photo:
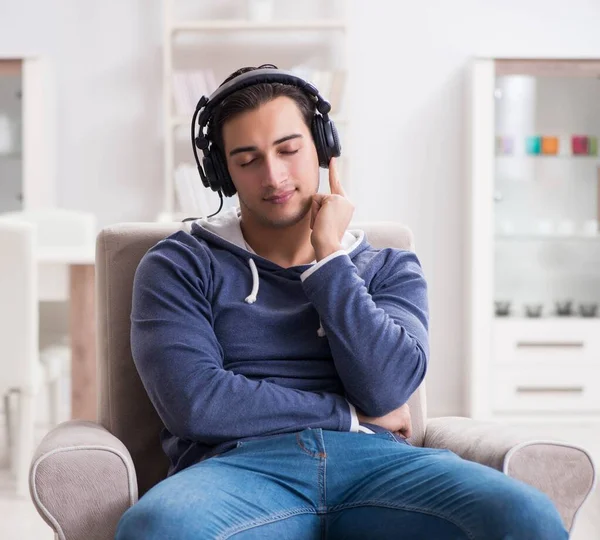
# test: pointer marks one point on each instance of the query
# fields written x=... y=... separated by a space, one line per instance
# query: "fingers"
x=315 y=207
x=335 y=185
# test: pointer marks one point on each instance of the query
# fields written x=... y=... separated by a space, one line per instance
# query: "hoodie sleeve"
x=378 y=337
x=180 y=360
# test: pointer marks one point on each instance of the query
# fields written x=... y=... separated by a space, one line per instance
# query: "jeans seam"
x=322 y=482
x=272 y=518
x=386 y=504
x=307 y=451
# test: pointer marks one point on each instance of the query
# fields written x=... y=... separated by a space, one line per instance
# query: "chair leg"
x=25 y=441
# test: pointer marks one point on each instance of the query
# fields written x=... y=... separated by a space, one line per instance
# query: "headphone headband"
x=250 y=78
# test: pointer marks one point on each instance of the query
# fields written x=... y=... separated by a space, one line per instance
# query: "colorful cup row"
x=577 y=145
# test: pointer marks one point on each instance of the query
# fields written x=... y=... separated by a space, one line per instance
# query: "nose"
x=274 y=173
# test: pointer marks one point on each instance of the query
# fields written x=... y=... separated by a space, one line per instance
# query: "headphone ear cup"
x=336 y=149
x=318 y=133
x=220 y=165
x=209 y=178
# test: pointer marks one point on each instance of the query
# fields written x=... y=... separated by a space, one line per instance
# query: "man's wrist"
x=324 y=251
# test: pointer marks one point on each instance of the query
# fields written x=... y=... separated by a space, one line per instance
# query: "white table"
x=82 y=327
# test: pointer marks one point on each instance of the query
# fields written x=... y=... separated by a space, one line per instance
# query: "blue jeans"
x=317 y=484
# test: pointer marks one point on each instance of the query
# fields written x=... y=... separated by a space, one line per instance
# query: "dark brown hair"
x=254 y=96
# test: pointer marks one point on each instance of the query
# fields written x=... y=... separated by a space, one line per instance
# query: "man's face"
x=273 y=162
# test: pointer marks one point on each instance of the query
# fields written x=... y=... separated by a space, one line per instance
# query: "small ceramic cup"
x=533 y=310
x=588 y=309
x=564 y=308
x=502 y=308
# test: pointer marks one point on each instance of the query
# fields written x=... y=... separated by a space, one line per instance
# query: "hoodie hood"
x=227 y=227
x=225 y=231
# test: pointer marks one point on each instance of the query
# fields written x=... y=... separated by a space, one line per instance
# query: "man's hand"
x=330 y=216
x=397 y=421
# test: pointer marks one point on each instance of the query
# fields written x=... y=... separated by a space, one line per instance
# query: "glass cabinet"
x=11 y=121
x=533 y=237
x=27 y=134
x=546 y=176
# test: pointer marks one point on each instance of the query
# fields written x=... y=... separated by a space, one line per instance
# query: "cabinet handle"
x=549 y=389
x=551 y=344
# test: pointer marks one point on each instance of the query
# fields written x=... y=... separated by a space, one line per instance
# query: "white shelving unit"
x=28 y=111
x=241 y=25
x=532 y=369
x=219 y=28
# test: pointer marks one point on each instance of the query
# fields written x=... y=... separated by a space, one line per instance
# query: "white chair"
x=55 y=230
x=20 y=372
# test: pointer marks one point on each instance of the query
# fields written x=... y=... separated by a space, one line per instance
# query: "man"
x=280 y=349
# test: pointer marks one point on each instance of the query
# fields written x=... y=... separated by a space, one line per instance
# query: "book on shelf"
x=330 y=83
x=189 y=86
x=193 y=198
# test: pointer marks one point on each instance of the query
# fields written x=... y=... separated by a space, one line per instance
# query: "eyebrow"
x=241 y=149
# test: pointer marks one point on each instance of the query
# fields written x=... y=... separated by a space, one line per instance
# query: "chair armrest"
x=82 y=480
x=563 y=471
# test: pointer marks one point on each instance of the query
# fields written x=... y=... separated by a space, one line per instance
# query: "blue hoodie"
x=231 y=346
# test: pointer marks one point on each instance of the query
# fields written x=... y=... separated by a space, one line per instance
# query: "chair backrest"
x=19 y=313
x=124 y=407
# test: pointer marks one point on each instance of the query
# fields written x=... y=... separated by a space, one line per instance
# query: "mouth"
x=281 y=198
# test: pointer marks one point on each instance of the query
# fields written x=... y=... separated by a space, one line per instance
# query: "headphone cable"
x=195 y=115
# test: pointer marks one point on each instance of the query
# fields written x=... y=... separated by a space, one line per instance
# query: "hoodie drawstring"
x=251 y=298
x=254 y=293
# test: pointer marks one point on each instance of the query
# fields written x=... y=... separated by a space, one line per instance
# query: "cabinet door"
x=11 y=164
x=547 y=242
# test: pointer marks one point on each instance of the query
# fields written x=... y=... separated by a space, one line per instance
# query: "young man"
x=280 y=349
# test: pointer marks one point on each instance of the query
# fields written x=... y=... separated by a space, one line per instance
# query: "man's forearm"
x=384 y=343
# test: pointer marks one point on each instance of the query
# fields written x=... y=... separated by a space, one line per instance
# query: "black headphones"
x=213 y=171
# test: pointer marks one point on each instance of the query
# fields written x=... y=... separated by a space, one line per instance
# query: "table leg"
x=83 y=342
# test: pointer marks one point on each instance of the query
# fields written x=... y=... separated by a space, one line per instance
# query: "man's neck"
x=289 y=246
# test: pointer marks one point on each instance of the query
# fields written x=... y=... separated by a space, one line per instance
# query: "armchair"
x=85 y=475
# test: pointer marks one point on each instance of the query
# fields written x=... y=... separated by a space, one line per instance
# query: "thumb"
x=314 y=210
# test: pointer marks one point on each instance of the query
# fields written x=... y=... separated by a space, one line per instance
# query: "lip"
x=281 y=199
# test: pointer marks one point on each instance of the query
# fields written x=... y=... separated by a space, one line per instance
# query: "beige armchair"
x=85 y=475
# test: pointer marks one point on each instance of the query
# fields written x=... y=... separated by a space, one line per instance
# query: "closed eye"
x=284 y=152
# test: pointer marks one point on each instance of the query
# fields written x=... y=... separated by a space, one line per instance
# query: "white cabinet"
x=27 y=134
x=533 y=240
x=548 y=365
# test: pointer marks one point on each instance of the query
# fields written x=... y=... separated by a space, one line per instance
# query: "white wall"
x=407 y=90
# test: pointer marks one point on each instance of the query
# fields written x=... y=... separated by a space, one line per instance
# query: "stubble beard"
x=279 y=223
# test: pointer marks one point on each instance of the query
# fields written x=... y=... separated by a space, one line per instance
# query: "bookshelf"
x=244 y=40
x=241 y=25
